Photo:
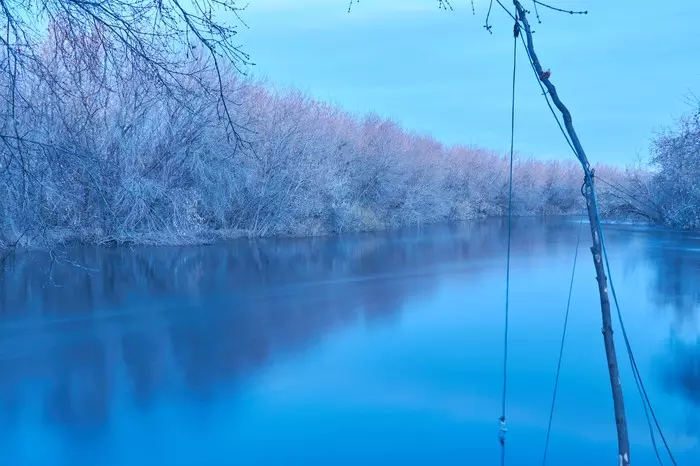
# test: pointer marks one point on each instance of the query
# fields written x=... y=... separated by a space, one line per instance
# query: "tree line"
x=98 y=148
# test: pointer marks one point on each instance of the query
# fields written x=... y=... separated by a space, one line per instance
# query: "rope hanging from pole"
x=563 y=339
x=502 y=419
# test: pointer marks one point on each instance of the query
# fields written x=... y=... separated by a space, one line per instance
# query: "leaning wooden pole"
x=596 y=249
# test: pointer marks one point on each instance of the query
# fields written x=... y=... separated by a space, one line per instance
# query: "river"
x=369 y=349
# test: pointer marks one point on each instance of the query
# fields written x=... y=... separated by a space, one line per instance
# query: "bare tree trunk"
x=610 y=353
x=596 y=249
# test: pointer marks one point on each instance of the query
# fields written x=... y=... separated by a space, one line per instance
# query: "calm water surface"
x=372 y=349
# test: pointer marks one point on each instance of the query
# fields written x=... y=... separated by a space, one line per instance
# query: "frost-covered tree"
x=676 y=183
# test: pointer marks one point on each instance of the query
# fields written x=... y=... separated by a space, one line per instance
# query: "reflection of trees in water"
x=681 y=376
x=79 y=384
x=675 y=259
x=201 y=317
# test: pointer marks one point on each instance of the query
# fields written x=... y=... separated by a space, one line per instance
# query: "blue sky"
x=624 y=70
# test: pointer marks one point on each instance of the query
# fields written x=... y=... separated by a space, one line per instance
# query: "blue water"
x=370 y=349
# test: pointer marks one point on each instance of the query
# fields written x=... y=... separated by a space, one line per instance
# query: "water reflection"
x=674 y=259
x=147 y=323
x=683 y=372
x=199 y=316
x=681 y=377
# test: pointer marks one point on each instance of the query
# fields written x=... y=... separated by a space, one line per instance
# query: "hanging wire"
x=563 y=339
x=503 y=430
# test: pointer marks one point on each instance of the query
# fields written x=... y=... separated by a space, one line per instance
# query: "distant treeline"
x=96 y=157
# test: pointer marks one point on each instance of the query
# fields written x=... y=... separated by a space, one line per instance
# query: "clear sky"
x=624 y=70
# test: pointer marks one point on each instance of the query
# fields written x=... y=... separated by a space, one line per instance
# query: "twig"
x=560 y=10
x=537 y=13
x=487 y=26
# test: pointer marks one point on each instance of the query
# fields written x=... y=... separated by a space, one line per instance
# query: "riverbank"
x=58 y=240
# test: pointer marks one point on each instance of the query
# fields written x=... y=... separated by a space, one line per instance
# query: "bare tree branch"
x=157 y=38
